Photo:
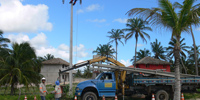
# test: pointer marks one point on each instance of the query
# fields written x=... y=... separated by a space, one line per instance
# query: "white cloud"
x=120 y=20
x=63 y=47
x=79 y=48
x=140 y=45
x=79 y=61
x=90 y=8
x=16 y=17
x=81 y=68
x=97 y=20
x=93 y=7
x=80 y=11
x=18 y=38
x=39 y=40
x=80 y=51
x=126 y=62
x=42 y=48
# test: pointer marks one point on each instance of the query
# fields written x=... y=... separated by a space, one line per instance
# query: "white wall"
x=50 y=72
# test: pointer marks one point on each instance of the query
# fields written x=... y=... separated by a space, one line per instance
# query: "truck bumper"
x=78 y=93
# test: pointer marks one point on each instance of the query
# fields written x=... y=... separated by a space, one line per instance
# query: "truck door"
x=107 y=85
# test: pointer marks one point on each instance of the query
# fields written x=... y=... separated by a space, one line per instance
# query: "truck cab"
x=103 y=84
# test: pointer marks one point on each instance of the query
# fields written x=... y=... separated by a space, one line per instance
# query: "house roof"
x=150 y=60
x=131 y=66
x=56 y=61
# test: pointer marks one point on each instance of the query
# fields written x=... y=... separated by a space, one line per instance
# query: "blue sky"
x=46 y=25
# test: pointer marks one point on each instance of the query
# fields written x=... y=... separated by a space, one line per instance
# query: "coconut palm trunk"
x=116 y=48
x=136 y=37
x=12 y=89
x=177 y=70
x=195 y=52
x=183 y=65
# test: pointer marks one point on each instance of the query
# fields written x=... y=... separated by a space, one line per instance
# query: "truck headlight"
x=77 y=89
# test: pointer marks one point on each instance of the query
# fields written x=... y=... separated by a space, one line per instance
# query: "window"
x=106 y=76
x=63 y=66
x=147 y=66
x=63 y=76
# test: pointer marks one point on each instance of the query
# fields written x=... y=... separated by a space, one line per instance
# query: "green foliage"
x=158 y=50
x=191 y=59
x=137 y=27
x=191 y=54
x=141 y=54
x=49 y=57
x=50 y=97
x=115 y=36
x=29 y=97
x=194 y=96
x=46 y=57
x=78 y=73
x=3 y=40
x=176 y=20
x=183 y=48
x=19 y=66
x=105 y=50
x=66 y=88
x=87 y=73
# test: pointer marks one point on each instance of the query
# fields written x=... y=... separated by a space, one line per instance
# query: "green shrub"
x=65 y=88
x=50 y=97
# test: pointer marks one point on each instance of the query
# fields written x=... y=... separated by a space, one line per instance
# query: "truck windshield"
x=98 y=76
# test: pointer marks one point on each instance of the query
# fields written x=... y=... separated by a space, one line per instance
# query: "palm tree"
x=19 y=67
x=3 y=40
x=78 y=73
x=158 y=50
x=3 y=44
x=137 y=26
x=177 y=21
x=105 y=50
x=141 y=54
x=183 y=49
x=195 y=12
x=190 y=68
x=116 y=35
x=38 y=65
x=191 y=57
x=48 y=57
x=191 y=53
x=87 y=73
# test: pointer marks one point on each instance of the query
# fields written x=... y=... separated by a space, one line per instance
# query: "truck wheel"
x=89 y=96
x=162 y=95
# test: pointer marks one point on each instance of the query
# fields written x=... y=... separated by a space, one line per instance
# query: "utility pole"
x=71 y=51
x=72 y=2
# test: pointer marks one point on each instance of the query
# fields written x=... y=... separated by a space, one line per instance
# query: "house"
x=153 y=64
x=50 y=70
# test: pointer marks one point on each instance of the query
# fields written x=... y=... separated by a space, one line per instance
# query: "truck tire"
x=89 y=96
x=162 y=95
